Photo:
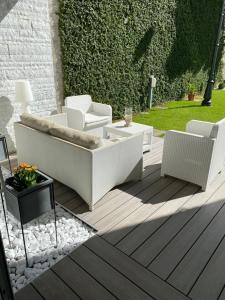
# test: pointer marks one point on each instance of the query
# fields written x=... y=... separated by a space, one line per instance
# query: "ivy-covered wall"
x=110 y=48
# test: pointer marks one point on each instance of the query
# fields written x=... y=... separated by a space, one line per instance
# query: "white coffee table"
x=118 y=128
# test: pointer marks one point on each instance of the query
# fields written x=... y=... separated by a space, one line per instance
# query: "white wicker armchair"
x=196 y=155
x=86 y=115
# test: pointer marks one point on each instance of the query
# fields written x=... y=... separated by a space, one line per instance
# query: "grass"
x=175 y=114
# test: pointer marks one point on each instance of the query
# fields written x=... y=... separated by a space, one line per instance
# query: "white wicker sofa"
x=196 y=155
x=92 y=173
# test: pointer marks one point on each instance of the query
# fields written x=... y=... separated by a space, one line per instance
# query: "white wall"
x=26 y=53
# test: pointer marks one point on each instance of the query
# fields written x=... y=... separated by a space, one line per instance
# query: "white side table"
x=118 y=128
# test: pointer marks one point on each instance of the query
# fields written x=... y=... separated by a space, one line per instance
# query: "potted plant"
x=29 y=193
x=191 y=90
x=221 y=85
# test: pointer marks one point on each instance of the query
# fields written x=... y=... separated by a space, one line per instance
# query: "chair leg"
x=91 y=207
x=204 y=187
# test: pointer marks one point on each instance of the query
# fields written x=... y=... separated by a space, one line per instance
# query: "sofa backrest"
x=73 y=136
x=82 y=102
x=60 y=119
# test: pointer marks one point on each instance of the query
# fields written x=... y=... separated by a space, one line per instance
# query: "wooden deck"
x=159 y=238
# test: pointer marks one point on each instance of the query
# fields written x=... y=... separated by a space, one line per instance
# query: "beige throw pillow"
x=76 y=137
x=36 y=122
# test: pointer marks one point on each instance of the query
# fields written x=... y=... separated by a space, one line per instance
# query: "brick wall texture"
x=26 y=52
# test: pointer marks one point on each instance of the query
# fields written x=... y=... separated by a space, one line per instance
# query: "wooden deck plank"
x=28 y=293
x=122 y=188
x=186 y=273
x=80 y=281
x=73 y=203
x=118 y=284
x=156 y=149
x=145 y=251
x=122 y=198
x=212 y=280
x=148 y=197
x=52 y=288
x=140 y=226
x=83 y=211
x=66 y=196
x=222 y=295
x=169 y=258
x=154 y=286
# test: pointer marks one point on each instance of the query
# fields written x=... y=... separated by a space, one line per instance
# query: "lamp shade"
x=23 y=92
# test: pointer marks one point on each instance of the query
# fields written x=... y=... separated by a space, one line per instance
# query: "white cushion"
x=95 y=118
x=81 y=102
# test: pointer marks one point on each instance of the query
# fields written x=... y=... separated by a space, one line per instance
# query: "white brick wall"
x=25 y=53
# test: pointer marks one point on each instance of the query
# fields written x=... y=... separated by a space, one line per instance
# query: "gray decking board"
x=122 y=198
x=211 y=281
x=28 y=292
x=222 y=295
x=147 y=199
x=128 y=188
x=133 y=271
x=65 y=196
x=167 y=261
x=116 y=283
x=137 y=228
x=80 y=281
x=186 y=273
x=51 y=287
x=150 y=248
x=74 y=203
x=149 y=202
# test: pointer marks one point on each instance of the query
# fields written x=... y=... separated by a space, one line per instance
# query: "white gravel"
x=40 y=242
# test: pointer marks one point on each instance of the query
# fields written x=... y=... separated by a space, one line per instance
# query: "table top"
x=132 y=129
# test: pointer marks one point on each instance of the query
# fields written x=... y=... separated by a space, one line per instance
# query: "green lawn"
x=175 y=114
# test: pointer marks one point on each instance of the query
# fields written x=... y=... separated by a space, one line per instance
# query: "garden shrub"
x=110 y=48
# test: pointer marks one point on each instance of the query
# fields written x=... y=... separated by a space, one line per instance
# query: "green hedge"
x=110 y=48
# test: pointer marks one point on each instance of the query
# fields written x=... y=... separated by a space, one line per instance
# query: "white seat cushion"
x=95 y=118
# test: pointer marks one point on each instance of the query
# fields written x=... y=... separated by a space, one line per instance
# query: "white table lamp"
x=24 y=94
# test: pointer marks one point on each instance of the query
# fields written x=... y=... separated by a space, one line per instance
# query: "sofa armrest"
x=60 y=119
x=117 y=163
x=200 y=127
x=102 y=109
x=75 y=118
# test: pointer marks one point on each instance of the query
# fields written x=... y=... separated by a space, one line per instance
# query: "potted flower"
x=191 y=90
x=29 y=193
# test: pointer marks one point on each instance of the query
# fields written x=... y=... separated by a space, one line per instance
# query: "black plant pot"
x=31 y=202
